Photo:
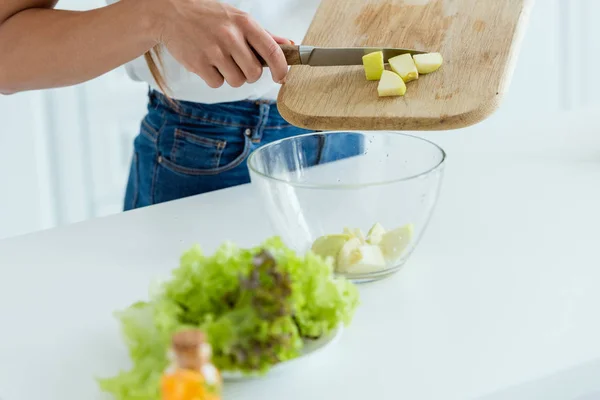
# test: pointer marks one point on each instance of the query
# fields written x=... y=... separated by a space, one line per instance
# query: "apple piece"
x=357 y=258
x=394 y=243
x=428 y=63
x=356 y=233
x=349 y=254
x=372 y=261
x=404 y=65
x=391 y=85
x=371 y=257
x=375 y=234
x=374 y=65
x=329 y=245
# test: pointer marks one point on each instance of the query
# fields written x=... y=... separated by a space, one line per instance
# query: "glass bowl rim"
x=436 y=167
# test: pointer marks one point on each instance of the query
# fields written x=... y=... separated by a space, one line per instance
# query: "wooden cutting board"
x=478 y=40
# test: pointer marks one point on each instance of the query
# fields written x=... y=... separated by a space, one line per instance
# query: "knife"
x=332 y=56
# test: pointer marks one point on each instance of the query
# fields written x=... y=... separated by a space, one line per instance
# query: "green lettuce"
x=256 y=306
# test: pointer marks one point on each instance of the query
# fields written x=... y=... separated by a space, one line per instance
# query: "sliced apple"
x=330 y=245
x=374 y=65
x=371 y=260
x=356 y=233
x=394 y=243
x=428 y=63
x=375 y=234
x=404 y=65
x=391 y=84
x=349 y=254
x=355 y=257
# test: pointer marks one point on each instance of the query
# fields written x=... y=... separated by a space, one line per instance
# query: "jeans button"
x=248 y=132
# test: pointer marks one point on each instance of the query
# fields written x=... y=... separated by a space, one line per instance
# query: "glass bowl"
x=362 y=198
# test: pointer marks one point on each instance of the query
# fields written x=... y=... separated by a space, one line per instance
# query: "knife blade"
x=335 y=56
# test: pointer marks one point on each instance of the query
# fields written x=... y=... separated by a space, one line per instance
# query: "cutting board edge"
x=345 y=123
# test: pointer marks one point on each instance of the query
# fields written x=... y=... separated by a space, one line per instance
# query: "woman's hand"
x=216 y=41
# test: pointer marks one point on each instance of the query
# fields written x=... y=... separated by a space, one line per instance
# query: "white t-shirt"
x=286 y=18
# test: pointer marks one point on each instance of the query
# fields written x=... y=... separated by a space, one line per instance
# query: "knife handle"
x=291 y=53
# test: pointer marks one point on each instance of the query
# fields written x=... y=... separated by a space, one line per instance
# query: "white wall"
x=66 y=152
x=538 y=64
x=25 y=192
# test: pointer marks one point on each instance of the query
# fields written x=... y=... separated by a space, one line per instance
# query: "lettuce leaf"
x=146 y=349
x=256 y=306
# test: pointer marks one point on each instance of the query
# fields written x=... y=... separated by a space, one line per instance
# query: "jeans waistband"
x=249 y=105
x=249 y=114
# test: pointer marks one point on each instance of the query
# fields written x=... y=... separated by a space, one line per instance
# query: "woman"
x=210 y=104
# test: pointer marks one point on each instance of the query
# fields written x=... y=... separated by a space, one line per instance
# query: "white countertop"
x=503 y=289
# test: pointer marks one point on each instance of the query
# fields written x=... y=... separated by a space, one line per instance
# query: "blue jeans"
x=197 y=148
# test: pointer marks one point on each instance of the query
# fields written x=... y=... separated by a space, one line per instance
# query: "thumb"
x=281 y=40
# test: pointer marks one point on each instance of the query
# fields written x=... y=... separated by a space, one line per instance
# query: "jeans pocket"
x=194 y=151
x=204 y=151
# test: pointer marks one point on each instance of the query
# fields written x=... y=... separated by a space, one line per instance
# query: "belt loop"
x=152 y=98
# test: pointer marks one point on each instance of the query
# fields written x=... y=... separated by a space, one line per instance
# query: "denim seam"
x=219 y=153
x=157 y=155
x=136 y=180
x=222 y=123
x=153 y=96
x=215 y=171
x=154 y=175
x=219 y=144
x=149 y=134
x=262 y=120
x=175 y=147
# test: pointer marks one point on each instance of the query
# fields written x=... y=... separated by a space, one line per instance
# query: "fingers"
x=223 y=65
x=247 y=63
x=268 y=49
x=211 y=76
x=235 y=56
x=232 y=73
